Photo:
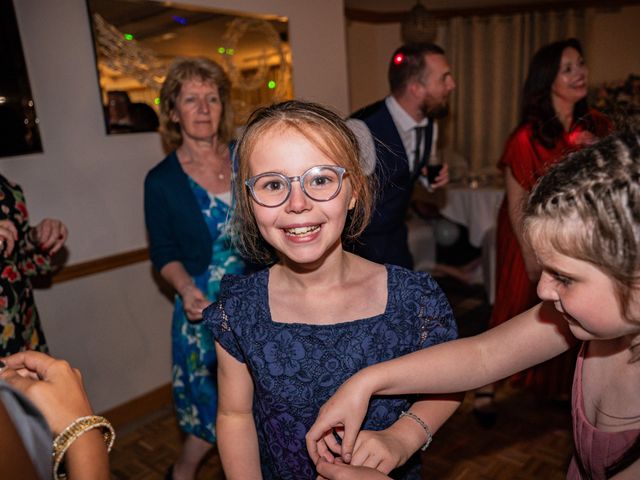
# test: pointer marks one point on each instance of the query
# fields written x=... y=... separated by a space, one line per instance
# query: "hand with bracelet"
x=387 y=449
x=346 y=409
x=57 y=390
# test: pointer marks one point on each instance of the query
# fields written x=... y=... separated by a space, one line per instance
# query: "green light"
x=128 y=36
x=221 y=50
x=230 y=51
x=271 y=84
x=156 y=100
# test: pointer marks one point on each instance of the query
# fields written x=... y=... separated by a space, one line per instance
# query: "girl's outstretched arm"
x=235 y=427
x=532 y=337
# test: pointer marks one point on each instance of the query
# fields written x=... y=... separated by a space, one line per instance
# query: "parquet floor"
x=531 y=440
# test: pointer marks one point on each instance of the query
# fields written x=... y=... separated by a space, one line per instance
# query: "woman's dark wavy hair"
x=537 y=107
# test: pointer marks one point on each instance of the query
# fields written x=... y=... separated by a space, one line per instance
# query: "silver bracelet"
x=423 y=424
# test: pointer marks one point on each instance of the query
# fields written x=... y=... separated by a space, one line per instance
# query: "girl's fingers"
x=332 y=443
x=323 y=451
x=349 y=440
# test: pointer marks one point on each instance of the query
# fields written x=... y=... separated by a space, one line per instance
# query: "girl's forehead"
x=287 y=139
x=544 y=232
x=556 y=235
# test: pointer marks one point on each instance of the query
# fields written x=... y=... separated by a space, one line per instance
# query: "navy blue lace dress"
x=296 y=367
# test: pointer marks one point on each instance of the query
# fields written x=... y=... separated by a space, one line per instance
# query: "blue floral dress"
x=296 y=367
x=194 y=358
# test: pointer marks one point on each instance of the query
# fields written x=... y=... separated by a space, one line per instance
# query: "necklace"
x=192 y=164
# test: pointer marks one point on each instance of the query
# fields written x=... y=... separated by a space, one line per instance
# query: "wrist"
x=63 y=421
x=366 y=381
x=374 y=380
x=81 y=427
x=416 y=431
x=185 y=288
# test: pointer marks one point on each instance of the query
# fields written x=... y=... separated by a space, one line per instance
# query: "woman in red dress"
x=555 y=120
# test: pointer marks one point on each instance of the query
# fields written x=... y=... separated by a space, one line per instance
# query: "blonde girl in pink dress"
x=583 y=222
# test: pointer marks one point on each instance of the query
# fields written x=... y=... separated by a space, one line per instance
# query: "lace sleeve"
x=220 y=322
x=436 y=323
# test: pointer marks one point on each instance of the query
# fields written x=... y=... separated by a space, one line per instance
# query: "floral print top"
x=19 y=322
x=296 y=367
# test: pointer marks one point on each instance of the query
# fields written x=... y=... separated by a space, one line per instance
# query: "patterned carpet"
x=530 y=440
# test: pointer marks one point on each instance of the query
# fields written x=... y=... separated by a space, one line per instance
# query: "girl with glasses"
x=286 y=337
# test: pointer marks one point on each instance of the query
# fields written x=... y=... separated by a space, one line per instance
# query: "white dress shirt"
x=405 y=126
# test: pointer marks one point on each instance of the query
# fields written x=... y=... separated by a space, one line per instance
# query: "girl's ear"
x=173 y=116
x=352 y=202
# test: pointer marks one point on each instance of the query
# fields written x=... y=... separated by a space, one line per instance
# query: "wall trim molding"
x=375 y=16
x=99 y=265
x=140 y=407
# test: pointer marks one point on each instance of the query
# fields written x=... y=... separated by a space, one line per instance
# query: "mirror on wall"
x=136 y=40
x=19 y=133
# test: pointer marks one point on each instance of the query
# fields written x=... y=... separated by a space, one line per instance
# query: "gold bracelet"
x=423 y=424
x=70 y=434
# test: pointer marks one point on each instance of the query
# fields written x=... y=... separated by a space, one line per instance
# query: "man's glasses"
x=320 y=183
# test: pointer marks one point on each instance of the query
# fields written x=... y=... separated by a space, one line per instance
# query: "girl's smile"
x=301 y=229
x=302 y=232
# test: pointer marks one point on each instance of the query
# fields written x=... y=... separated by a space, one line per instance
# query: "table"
x=477 y=209
x=474 y=208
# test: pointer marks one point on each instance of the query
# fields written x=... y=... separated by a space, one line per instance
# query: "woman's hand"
x=344 y=410
x=341 y=471
x=194 y=302
x=52 y=385
x=8 y=237
x=56 y=390
x=49 y=234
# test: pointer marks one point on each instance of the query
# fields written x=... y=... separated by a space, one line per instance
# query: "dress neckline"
x=264 y=283
x=580 y=408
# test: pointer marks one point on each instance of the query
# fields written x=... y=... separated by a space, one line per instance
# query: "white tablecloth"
x=477 y=209
x=474 y=208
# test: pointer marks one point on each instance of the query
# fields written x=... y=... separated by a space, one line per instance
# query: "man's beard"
x=435 y=112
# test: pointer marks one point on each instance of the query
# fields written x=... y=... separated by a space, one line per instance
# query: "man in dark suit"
x=397 y=136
